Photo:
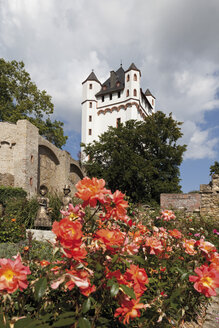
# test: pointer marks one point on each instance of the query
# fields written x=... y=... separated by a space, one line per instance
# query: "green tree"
x=21 y=99
x=139 y=158
x=214 y=169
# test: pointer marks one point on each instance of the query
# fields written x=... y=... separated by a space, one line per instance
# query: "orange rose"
x=68 y=232
x=206 y=281
x=91 y=191
x=13 y=275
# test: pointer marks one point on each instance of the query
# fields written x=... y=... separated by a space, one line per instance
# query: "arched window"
x=128 y=77
x=152 y=102
x=135 y=77
x=135 y=93
x=127 y=93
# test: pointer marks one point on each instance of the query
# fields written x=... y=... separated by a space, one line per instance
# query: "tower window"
x=90 y=118
x=135 y=77
x=119 y=94
x=102 y=98
x=90 y=86
x=90 y=104
x=128 y=78
x=152 y=102
x=90 y=132
x=31 y=181
x=111 y=96
x=127 y=93
x=118 y=121
x=135 y=93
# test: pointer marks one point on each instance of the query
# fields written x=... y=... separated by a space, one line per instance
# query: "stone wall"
x=189 y=202
x=27 y=160
x=206 y=201
x=210 y=197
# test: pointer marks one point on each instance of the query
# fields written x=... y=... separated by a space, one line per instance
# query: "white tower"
x=91 y=86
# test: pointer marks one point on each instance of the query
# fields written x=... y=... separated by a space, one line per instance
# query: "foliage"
x=7 y=193
x=55 y=204
x=139 y=158
x=25 y=210
x=11 y=230
x=21 y=99
x=33 y=250
x=116 y=270
x=214 y=169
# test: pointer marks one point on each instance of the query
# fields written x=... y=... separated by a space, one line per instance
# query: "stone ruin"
x=209 y=205
x=205 y=202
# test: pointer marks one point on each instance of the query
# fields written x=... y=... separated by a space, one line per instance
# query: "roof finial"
x=121 y=63
x=92 y=70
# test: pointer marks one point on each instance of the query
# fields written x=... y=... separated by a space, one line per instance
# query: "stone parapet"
x=207 y=200
x=188 y=202
x=42 y=235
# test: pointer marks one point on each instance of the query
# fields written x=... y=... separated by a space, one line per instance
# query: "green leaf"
x=86 y=305
x=185 y=275
x=67 y=315
x=28 y=323
x=115 y=257
x=110 y=282
x=138 y=259
x=128 y=291
x=114 y=290
x=63 y=322
x=99 y=267
x=40 y=288
x=84 y=323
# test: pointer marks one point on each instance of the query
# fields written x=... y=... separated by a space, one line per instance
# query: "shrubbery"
x=11 y=230
x=20 y=212
x=116 y=270
x=7 y=193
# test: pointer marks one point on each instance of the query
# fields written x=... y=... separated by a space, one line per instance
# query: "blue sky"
x=173 y=42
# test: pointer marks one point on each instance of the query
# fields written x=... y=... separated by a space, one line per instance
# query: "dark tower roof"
x=148 y=93
x=133 y=67
x=115 y=82
x=91 y=77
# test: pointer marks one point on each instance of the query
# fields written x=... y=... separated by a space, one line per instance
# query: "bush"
x=116 y=270
x=55 y=204
x=34 y=250
x=7 y=193
x=25 y=210
x=11 y=230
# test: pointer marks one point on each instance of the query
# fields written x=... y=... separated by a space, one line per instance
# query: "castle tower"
x=132 y=82
x=91 y=86
x=117 y=100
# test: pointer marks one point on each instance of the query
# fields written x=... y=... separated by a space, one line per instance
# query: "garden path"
x=209 y=318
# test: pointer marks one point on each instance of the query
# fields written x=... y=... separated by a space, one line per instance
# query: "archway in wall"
x=75 y=174
x=47 y=168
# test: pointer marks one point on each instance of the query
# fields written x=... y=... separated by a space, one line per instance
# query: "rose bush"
x=110 y=270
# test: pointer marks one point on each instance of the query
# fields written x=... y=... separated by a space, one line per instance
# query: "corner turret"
x=150 y=98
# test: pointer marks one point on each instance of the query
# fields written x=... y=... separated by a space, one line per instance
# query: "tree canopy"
x=21 y=99
x=214 y=169
x=139 y=158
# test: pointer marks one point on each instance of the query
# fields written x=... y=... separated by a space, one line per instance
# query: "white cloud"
x=173 y=42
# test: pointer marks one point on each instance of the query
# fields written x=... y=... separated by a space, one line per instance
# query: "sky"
x=174 y=43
